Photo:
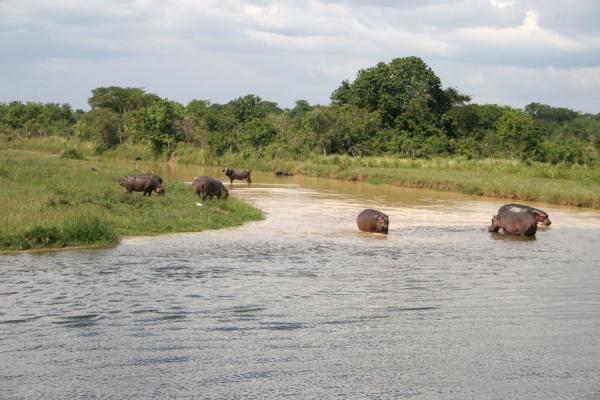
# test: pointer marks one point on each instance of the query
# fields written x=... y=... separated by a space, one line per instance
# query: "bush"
x=72 y=153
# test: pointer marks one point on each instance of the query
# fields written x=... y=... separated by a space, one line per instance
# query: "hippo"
x=540 y=216
x=283 y=173
x=146 y=183
x=370 y=220
x=514 y=223
x=205 y=186
x=150 y=174
x=239 y=174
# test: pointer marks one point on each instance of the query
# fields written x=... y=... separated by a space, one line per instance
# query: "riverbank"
x=562 y=184
x=53 y=202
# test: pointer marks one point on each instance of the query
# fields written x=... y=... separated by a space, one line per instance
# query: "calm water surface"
x=302 y=305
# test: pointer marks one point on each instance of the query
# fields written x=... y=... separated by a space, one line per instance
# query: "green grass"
x=53 y=202
x=573 y=185
x=564 y=184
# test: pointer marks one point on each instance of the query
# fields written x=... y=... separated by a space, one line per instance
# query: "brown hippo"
x=283 y=173
x=205 y=186
x=514 y=223
x=370 y=220
x=239 y=174
x=540 y=216
x=146 y=183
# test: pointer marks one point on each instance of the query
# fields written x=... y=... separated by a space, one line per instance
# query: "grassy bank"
x=573 y=185
x=52 y=202
x=564 y=184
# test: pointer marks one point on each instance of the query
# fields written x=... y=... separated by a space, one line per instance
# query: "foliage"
x=72 y=153
x=101 y=125
x=157 y=124
x=396 y=108
x=121 y=100
x=519 y=135
x=391 y=89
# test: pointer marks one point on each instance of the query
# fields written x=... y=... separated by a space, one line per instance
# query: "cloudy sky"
x=499 y=51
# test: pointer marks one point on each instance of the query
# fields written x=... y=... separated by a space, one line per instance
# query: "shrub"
x=72 y=153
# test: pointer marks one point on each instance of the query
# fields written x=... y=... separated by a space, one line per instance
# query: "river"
x=303 y=305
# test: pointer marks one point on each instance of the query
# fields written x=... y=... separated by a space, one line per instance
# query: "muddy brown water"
x=302 y=305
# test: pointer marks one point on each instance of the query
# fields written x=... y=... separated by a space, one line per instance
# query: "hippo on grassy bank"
x=370 y=220
x=514 y=223
x=540 y=216
x=145 y=182
x=239 y=174
x=205 y=186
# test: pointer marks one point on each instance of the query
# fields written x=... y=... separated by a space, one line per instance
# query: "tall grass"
x=566 y=184
x=49 y=202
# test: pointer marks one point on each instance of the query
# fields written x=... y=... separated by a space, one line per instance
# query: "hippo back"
x=518 y=223
x=239 y=174
x=540 y=215
x=370 y=220
x=206 y=186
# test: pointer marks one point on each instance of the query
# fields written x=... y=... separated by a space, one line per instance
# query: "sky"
x=509 y=52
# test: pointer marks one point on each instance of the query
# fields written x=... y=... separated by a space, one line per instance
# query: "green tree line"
x=396 y=108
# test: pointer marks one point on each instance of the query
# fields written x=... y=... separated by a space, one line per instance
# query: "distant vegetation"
x=52 y=202
x=398 y=108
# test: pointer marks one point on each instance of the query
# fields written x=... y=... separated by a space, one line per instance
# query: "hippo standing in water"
x=283 y=173
x=370 y=220
x=514 y=223
x=145 y=182
x=540 y=216
x=205 y=186
x=239 y=174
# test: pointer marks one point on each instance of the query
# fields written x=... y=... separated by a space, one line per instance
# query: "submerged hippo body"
x=205 y=186
x=283 y=173
x=145 y=182
x=514 y=223
x=239 y=174
x=540 y=215
x=370 y=220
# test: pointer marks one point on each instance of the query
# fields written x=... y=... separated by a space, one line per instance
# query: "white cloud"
x=289 y=49
x=502 y=3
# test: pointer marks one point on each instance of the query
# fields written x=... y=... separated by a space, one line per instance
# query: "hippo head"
x=227 y=171
x=382 y=223
x=542 y=218
x=225 y=192
x=160 y=189
x=495 y=226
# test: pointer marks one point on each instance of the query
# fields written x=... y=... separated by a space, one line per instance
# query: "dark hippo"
x=370 y=220
x=239 y=174
x=540 y=216
x=283 y=173
x=151 y=175
x=146 y=183
x=514 y=223
x=205 y=186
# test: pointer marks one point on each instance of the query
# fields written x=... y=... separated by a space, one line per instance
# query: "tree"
x=551 y=114
x=157 y=123
x=342 y=129
x=121 y=100
x=390 y=89
x=257 y=133
x=247 y=108
x=101 y=125
x=519 y=135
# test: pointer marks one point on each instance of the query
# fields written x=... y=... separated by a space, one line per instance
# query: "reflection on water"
x=303 y=305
